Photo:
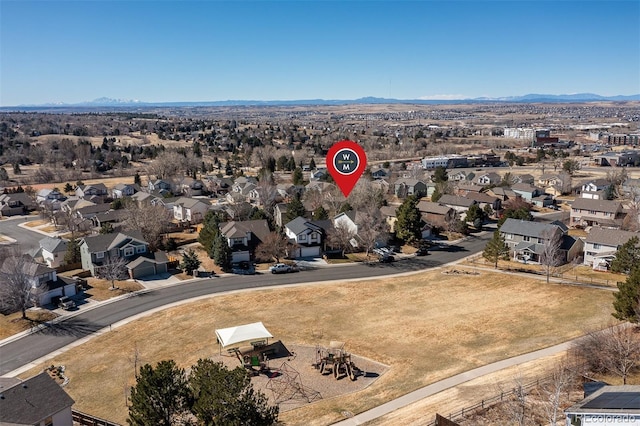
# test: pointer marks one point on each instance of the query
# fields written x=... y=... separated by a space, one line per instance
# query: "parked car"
x=66 y=303
x=244 y=268
x=386 y=259
x=422 y=251
x=281 y=268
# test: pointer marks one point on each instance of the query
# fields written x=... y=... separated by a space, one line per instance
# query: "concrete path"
x=451 y=382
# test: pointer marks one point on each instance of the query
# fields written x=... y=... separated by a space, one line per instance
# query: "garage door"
x=309 y=252
x=143 y=270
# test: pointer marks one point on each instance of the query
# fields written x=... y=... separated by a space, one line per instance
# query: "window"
x=597 y=246
x=303 y=237
x=141 y=249
x=526 y=238
x=128 y=251
x=508 y=236
x=100 y=255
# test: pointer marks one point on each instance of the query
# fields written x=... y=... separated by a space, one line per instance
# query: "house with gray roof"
x=405 y=187
x=527 y=191
x=306 y=236
x=526 y=240
x=243 y=237
x=97 y=251
x=16 y=204
x=53 y=250
x=594 y=212
x=97 y=189
x=38 y=400
x=190 y=210
x=459 y=204
x=124 y=190
x=602 y=244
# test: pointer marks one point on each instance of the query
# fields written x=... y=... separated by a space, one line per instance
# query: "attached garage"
x=307 y=251
x=143 y=267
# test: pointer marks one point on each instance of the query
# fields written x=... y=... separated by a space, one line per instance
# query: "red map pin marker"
x=346 y=162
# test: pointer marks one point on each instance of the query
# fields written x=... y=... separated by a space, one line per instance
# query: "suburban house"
x=307 y=236
x=190 y=210
x=405 y=187
x=503 y=193
x=459 y=204
x=124 y=190
x=160 y=186
x=38 y=400
x=379 y=174
x=483 y=199
x=45 y=283
x=607 y=406
x=190 y=187
x=526 y=240
x=592 y=212
x=464 y=188
x=458 y=176
x=595 y=189
x=389 y=214
x=243 y=237
x=16 y=204
x=98 y=190
x=436 y=214
x=51 y=198
x=348 y=221
x=527 y=191
x=523 y=178
x=490 y=178
x=601 y=245
x=617 y=159
x=319 y=174
x=96 y=251
x=53 y=250
x=279 y=213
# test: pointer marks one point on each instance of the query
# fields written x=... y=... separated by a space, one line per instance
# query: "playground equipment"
x=335 y=360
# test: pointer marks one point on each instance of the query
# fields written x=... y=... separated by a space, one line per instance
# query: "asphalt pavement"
x=27 y=240
x=24 y=350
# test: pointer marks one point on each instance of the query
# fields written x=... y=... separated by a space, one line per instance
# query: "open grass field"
x=425 y=327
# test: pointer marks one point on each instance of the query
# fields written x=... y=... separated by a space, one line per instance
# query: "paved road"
x=28 y=240
x=29 y=348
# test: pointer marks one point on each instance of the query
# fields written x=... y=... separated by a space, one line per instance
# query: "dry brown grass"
x=13 y=323
x=426 y=327
x=101 y=289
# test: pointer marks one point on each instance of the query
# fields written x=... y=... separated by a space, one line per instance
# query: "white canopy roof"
x=242 y=333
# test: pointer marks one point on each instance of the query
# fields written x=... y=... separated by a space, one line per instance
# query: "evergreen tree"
x=160 y=396
x=68 y=187
x=312 y=164
x=291 y=164
x=226 y=397
x=345 y=207
x=496 y=249
x=209 y=230
x=106 y=228
x=320 y=213
x=440 y=175
x=73 y=252
x=475 y=215
x=436 y=194
x=408 y=226
x=627 y=298
x=190 y=261
x=137 y=180
x=222 y=255
x=295 y=209
x=297 y=177
x=627 y=257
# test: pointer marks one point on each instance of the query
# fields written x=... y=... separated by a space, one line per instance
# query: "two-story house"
x=483 y=199
x=490 y=178
x=38 y=400
x=594 y=212
x=96 y=189
x=124 y=190
x=306 y=235
x=526 y=240
x=436 y=214
x=459 y=204
x=190 y=210
x=601 y=245
x=405 y=187
x=191 y=187
x=160 y=186
x=527 y=191
x=243 y=237
x=16 y=204
x=96 y=251
x=50 y=199
x=595 y=189
x=53 y=251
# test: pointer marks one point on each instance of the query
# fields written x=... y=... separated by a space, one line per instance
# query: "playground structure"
x=287 y=386
x=335 y=360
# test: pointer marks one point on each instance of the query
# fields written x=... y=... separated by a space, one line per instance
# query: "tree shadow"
x=71 y=327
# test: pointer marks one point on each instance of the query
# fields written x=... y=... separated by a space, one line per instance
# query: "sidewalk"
x=39 y=229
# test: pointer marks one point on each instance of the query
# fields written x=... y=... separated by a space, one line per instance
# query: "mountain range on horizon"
x=529 y=98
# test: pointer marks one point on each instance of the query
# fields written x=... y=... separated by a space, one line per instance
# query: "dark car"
x=66 y=303
x=422 y=251
x=386 y=259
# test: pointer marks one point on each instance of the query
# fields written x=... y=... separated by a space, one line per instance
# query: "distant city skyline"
x=198 y=51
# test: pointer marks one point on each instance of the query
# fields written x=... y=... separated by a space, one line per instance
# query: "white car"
x=280 y=268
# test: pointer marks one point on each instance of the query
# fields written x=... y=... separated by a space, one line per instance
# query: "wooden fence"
x=84 y=419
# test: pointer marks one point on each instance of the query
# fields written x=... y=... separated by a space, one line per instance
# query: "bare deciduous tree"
x=551 y=255
x=552 y=392
x=267 y=192
x=115 y=268
x=18 y=287
x=150 y=220
x=340 y=237
x=274 y=247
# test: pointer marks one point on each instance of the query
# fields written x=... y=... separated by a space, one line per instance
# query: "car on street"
x=281 y=268
x=386 y=258
x=422 y=251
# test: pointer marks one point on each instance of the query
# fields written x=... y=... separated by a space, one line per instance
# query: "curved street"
x=15 y=353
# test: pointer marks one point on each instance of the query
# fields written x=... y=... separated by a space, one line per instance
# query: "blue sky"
x=157 y=51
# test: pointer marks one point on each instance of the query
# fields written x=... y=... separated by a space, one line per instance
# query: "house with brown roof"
x=593 y=212
x=601 y=245
x=436 y=214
